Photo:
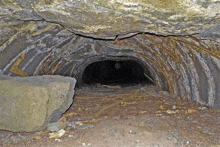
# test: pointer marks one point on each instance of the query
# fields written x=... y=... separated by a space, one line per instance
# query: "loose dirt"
x=135 y=116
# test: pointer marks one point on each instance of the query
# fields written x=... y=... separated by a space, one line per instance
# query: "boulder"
x=30 y=103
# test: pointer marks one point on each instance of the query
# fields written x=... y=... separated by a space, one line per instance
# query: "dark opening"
x=110 y=72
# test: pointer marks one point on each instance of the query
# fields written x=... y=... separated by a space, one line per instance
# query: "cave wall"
x=185 y=65
x=177 y=40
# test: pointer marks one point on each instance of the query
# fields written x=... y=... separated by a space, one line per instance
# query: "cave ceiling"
x=115 y=18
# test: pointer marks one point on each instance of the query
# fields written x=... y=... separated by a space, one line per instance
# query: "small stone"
x=70 y=124
x=82 y=127
x=165 y=93
x=202 y=108
x=116 y=118
x=190 y=111
x=37 y=137
x=83 y=144
x=142 y=112
x=132 y=132
x=80 y=109
x=171 y=111
x=56 y=126
x=70 y=136
x=78 y=123
x=161 y=107
x=57 y=134
x=89 y=144
x=56 y=139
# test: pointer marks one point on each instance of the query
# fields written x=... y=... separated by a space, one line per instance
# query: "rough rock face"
x=182 y=65
x=29 y=104
x=177 y=40
x=107 y=19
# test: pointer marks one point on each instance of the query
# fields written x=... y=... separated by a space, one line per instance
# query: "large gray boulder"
x=30 y=103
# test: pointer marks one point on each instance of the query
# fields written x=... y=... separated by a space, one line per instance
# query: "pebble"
x=56 y=126
x=53 y=127
x=78 y=123
x=165 y=93
x=70 y=124
x=174 y=107
x=82 y=127
x=202 y=108
x=132 y=132
x=57 y=134
x=37 y=137
x=171 y=111
x=116 y=118
x=57 y=140
x=89 y=144
x=70 y=135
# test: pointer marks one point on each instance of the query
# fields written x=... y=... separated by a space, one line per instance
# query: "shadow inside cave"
x=111 y=72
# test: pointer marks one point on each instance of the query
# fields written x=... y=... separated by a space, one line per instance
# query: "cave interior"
x=112 y=72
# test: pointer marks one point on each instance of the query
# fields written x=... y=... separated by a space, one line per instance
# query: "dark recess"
x=110 y=72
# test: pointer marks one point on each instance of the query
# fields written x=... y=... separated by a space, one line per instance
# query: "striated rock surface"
x=182 y=65
x=111 y=18
x=179 y=41
x=29 y=104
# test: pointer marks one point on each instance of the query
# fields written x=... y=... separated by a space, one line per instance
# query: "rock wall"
x=184 y=65
x=58 y=37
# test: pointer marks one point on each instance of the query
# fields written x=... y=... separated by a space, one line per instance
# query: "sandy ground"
x=136 y=116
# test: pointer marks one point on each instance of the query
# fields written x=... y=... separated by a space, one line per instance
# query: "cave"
x=111 y=72
x=151 y=62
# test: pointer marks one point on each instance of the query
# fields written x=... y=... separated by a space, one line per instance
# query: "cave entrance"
x=111 y=72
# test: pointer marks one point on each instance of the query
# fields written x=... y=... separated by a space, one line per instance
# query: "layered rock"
x=177 y=40
x=182 y=65
x=108 y=19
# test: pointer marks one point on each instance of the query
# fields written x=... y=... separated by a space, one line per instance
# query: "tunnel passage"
x=110 y=72
x=186 y=66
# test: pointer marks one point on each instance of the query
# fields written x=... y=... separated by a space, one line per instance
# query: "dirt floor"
x=136 y=116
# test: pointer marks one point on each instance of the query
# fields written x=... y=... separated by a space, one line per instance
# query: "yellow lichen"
x=15 y=67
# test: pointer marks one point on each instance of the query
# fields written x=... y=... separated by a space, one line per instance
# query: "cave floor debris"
x=135 y=116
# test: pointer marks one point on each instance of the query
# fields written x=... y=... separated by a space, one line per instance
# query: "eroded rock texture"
x=184 y=65
x=39 y=37
x=109 y=18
